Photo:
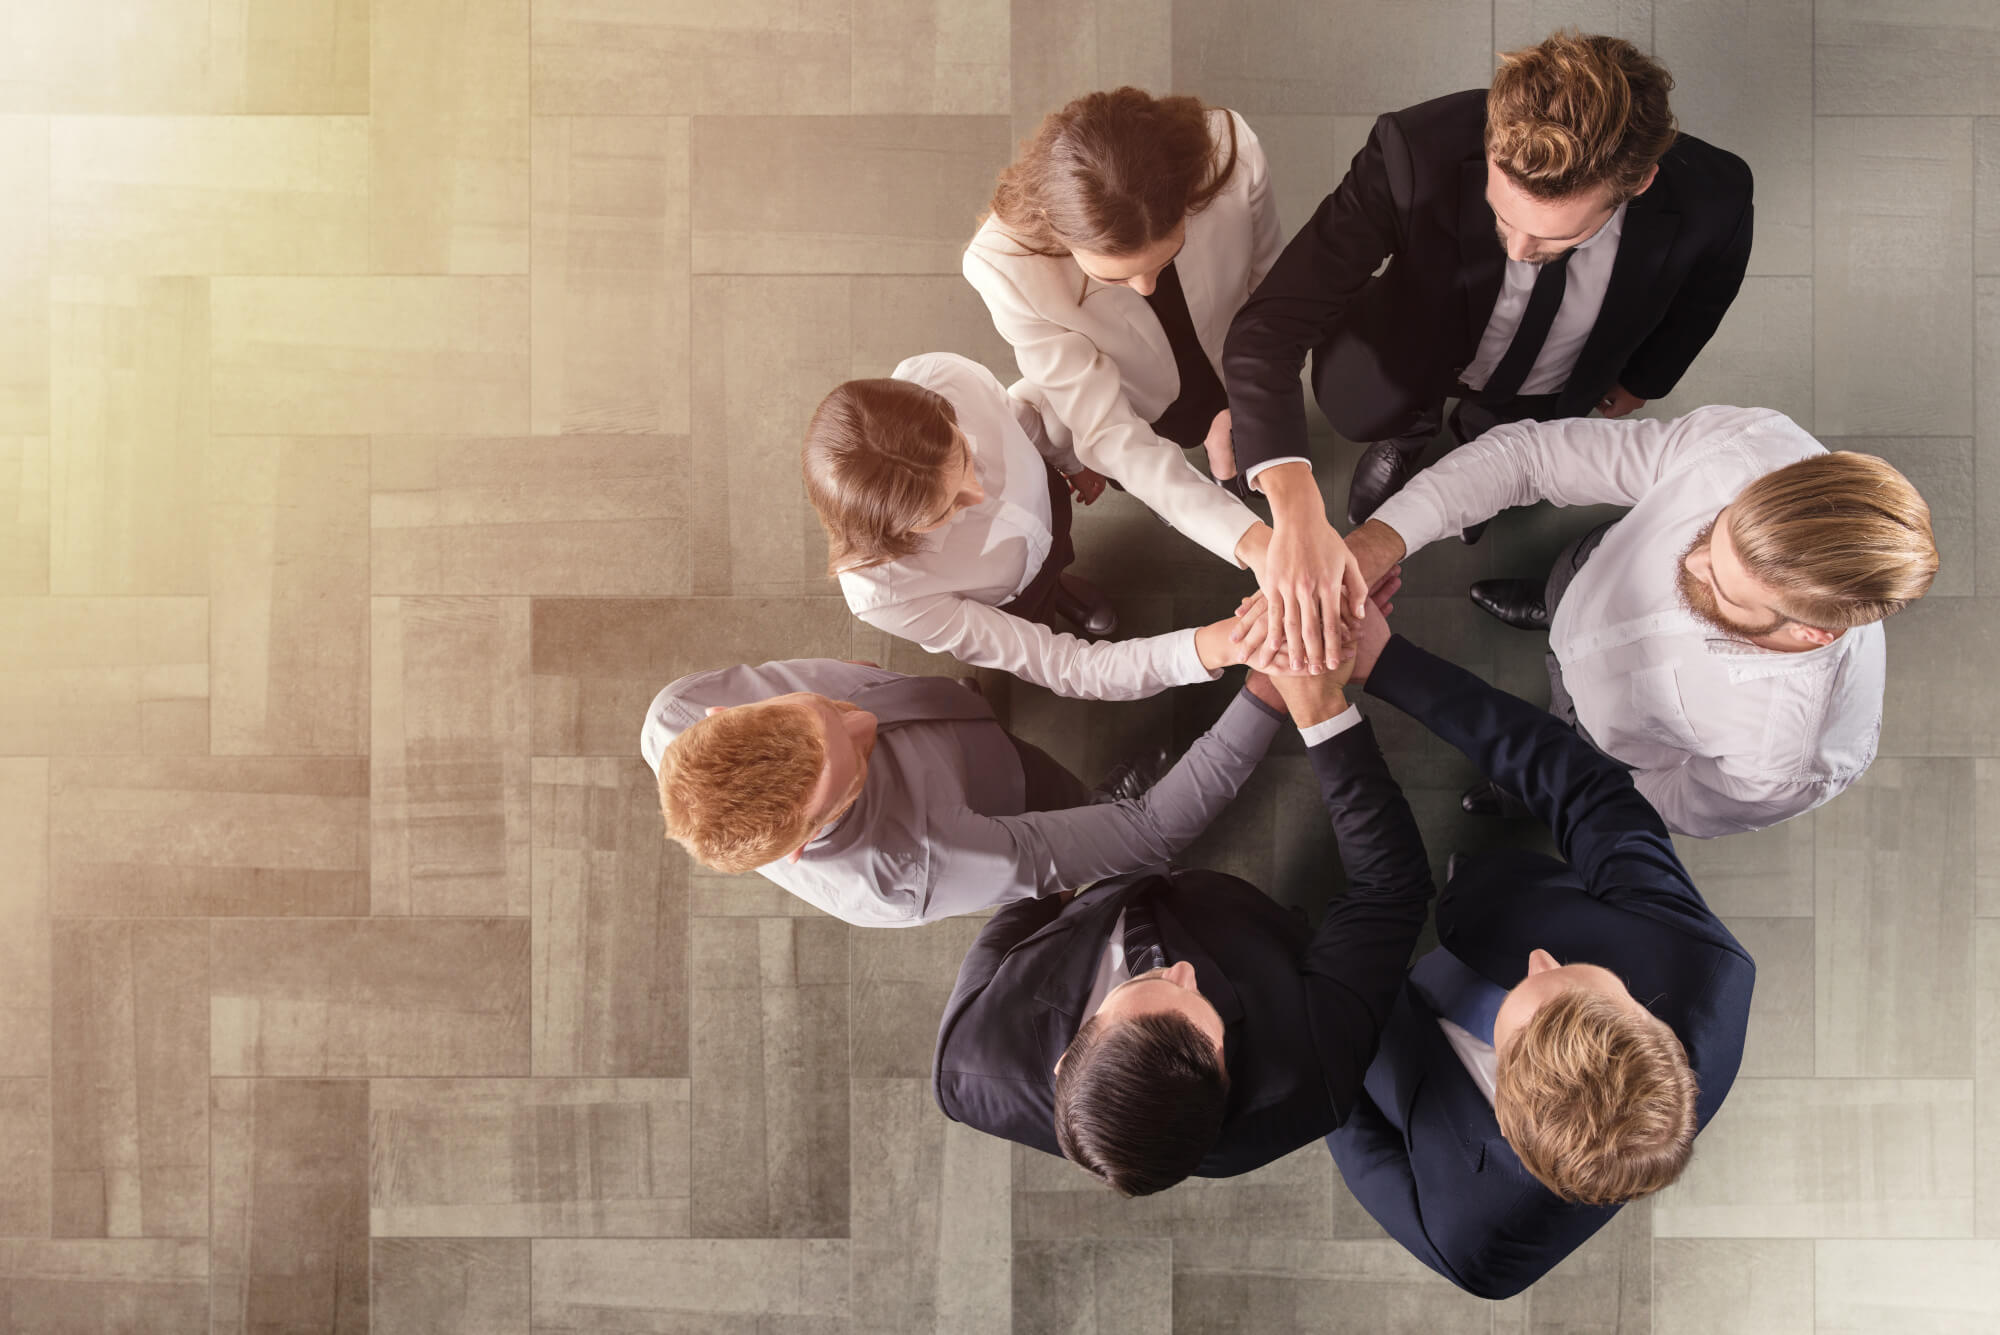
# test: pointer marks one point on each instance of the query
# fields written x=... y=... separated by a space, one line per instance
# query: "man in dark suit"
x=1579 y=1023
x=1199 y=1026
x=1557 y=247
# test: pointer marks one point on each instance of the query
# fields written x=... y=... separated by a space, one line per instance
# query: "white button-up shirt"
x=1722 y=735
x=1590 y=265
x=947 y=595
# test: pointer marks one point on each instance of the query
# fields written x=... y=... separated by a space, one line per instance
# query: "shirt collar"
x=1613 y=226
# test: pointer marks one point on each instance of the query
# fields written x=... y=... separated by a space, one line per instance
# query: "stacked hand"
x=1085 y=485
x=1257 y=634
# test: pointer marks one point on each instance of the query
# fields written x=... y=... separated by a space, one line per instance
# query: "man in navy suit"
x=1579 y=1023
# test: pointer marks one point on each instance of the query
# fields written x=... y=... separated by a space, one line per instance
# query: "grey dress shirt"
x=939 y=829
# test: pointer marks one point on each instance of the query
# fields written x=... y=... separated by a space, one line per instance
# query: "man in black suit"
x=1557 y=247
x=1175 y=1022
x=1579 y=1023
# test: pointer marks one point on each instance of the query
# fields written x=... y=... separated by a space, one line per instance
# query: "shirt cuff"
x=1186 y=659
x=1275 y=715
x=1332 y=727
x=1250 y=473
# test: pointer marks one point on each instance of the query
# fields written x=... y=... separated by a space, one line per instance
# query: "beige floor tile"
x=1817 y=1158
x=24 y=212
x=1733 y=1286
x=1986 y=196
x=610 y=280
x=1317 y=1288
x=208 y=836
x=1085 y=1286
x=1889 y=349
x=610 y=1285
x=25 y=1136
x=713 y=895
x=568 y=515
x=129 y=419
x=932 y=1245
x=1781 y=1036
x=610 y=923
x=24 y=516
x=771 y=1023
x=130 y=1286
x=353 y=356
x=529 y=1158
x=1519 y=23
x=628 y=57
x=1066 y=48
x=1894 y=927
x=1914 y=58
x=1912 y=1288
x=1762 y=355
x=289 y=1237
x=1305 y=160
x=448 y=755
x=217 y=194
x=129 y=1090
x=930 y=57
x=894 y=316
x=104 y=675
x=902 y=980
x=855 y=194
x=24 y=355
x=448 y=137
x=1766 y=874
x=1986 y=837
x=1604 y=1287
x=1986 y=1020
x=1291 y=1198
x=369 y=997
x=449 y=1286
x=1380 y=56
x=1943 y=470
x=171 y=56
x=1743 y=72
x=288 y=595
x=24 y=917
x=1939 y=700
x=598 y=662
x=1986 y=414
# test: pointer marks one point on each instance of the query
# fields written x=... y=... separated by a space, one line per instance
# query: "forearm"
x=1080 y=669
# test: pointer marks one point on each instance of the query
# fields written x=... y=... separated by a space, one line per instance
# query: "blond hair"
x=1599 y=1102
x=1843 y=538
x=1577 y=112
x=875 y=458
x=736 y=788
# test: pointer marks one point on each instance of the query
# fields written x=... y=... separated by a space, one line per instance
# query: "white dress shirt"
x=946 y=595
x=1722 y=735
x=1096 y=360
x=1475 y=1054
x=1590 y=265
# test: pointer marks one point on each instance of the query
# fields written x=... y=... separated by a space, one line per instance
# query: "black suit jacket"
x=1301 y=1009
x=1422 y=1150
x=1417 y=191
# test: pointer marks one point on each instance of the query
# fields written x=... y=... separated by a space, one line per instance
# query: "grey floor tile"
x=1246 y=1285
x=24 y=918
x=1913 y=1288
x=1743 y=72
x=931 y=57
x=901 y=982
x=1916 y=58
x=1780 y=1040
x=1986 y=837
x=1291 y=1198
x=1889 y=350
x=1986 y=1189
x=1732 y=1286
x=931 y=1238
x=123 y=1286
x=1943 y=471
x=1986 y=196
x=1939 y=700
x=742 y=1287
x=449 y=1286
x=893 y=316
x=1604 y=1287
x=1764 y=874
x=25 y=1138
x=1520 y=23
x=771 y=1124
x=1761 y=356
x=1820 y=1158
x=1986 y=394
x=1062 y=49
x=1090 y=1286
x=1894 y=926
x=1306 y=161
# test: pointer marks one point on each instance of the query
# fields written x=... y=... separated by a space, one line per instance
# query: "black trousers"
x=1051 y=787
x=1368 y=388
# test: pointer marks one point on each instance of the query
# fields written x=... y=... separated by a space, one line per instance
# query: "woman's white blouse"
x=1097 y=363
x=946 y=596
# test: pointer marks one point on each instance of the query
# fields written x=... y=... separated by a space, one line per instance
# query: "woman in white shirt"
x=946 y=510
x=1120 y=243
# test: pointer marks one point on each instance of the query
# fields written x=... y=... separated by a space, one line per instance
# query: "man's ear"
x=1813 y=635
x=713 y=710
x=796 y=854
x=1647 y=184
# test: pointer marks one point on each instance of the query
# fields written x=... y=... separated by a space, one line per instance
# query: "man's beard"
x=1699 y=599
x=1539 y=258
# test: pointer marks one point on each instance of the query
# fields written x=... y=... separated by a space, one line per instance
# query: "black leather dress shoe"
x=1518 y=602
x=1129 y=779
x=1085 y=607
x=1487 y=798
x=1379 y=473
x=1472 y=533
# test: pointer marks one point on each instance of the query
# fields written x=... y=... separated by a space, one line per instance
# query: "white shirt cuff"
x=1250 y=473
x=1332 y=727
x=1187 y=660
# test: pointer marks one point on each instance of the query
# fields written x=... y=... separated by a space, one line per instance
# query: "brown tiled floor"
x=395 y=393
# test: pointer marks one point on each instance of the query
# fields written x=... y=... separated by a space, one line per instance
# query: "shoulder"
x=1250 y=160
x=1451 y=122
x=1706 y=178
x=1006 y=274
x=951 y=375
x=1755 y=441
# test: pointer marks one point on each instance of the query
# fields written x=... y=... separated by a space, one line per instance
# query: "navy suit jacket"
x=1422 y=1150
x=1301 y=1009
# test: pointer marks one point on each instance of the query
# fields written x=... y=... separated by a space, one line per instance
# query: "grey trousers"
x=1568 y=562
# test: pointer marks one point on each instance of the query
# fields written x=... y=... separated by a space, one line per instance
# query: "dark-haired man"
x=1175 y=1022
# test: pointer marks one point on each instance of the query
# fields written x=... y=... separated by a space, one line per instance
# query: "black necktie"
x=1143 y=950
x=1543 y=303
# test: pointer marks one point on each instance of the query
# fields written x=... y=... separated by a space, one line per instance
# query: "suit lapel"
x=1651 y=223
x=1482 y=261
